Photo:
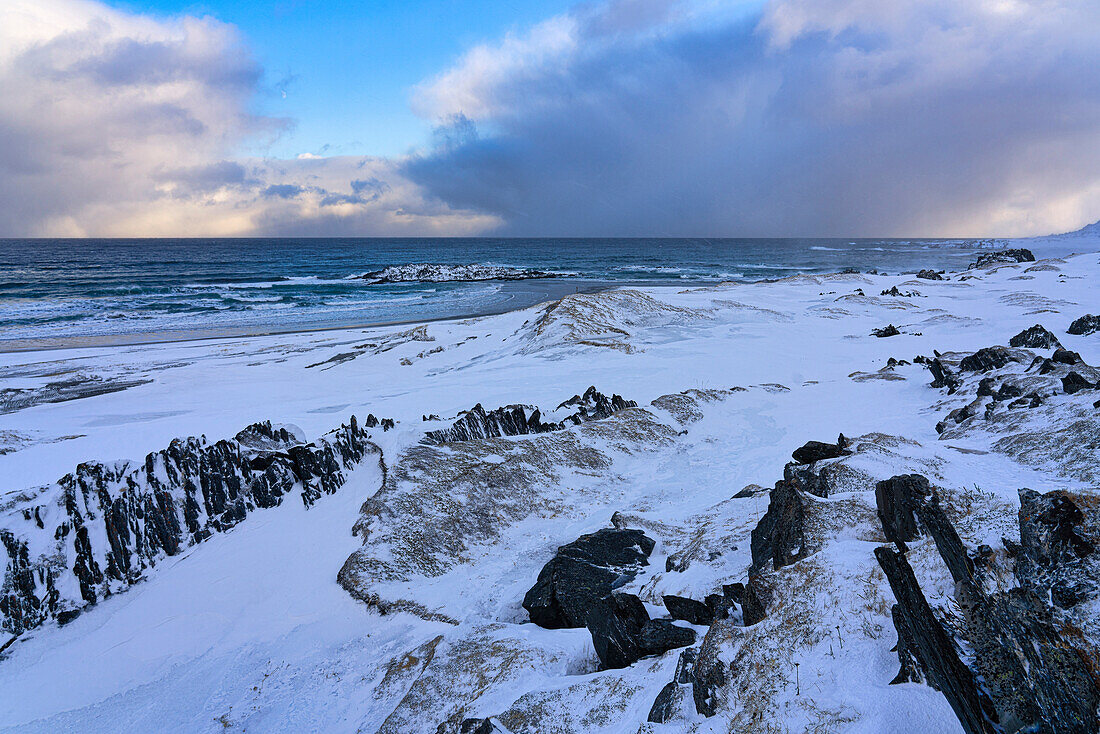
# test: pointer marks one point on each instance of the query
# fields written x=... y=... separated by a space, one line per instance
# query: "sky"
x=752 y=118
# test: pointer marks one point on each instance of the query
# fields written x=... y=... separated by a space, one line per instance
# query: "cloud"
x=802 y=117
x=116 y=124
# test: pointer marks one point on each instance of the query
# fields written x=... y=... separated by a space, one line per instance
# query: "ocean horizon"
x=80 y=292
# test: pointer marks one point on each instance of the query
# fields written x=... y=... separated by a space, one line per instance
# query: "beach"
x=392 y=600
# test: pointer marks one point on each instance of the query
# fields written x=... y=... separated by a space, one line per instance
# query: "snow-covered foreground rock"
x=399 y=598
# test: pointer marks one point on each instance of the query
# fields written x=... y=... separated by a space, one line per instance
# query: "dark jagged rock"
x=942 y=376
x=688 y=610
x=1019 y=255
x=930 y=275
x=757 y=597
x=583 y=572
x=809 y=478
x=1056 y=547
x=1074 y=383
x=668 y=700
x=813 y=451
x=888 y=330
x=897 y=499
x=1035 y=337
x=921 y=637
x=371 y=421
x=708 y=675
x=521 y=420
x=984 y=360
x=623 y=633
x=117 y=520
x=1008 y=391
x=1065 y=356
x=779 y=538
x=1087 y=324
x=387 y=424
x=897 y=293
x=935 y=522
x=985 y=387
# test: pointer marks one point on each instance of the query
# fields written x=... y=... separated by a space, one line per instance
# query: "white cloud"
x=119 y=124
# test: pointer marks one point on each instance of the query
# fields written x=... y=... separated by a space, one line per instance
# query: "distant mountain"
x=1089 y=230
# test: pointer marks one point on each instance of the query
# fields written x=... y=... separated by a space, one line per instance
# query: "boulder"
x=757 y=596
x=623 y=633
x=813 y=451
x=1057 y=546
x=1035 y=337
x=688 y=610
x=1087 y=324
x=1065 y=356
x=668 y=700
x=1074 y=383
x=942 y=376
x=930 y=275
x=584 y=571
x=779 y=538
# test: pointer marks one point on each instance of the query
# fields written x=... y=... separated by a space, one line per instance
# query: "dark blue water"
x=58 y=292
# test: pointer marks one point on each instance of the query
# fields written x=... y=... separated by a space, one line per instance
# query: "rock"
x=985 y=387
x=757 y=597
x=779 y=538
x=520 y=420
x=623 y=633
x=888 y=330
x=668 y=700
x=1074 y=383
x=898 y=293
x=930 y=275
x=748 y=491
x=1008 y=391
x=688 y=610
x=922 y=638
x=1055 y=547
x=942 y=376
x=476 y=726
x=813 y=451
x=583 y=572
x=1035 y=337
x=986 y=359
x=897 y=499
x=1002 y=256
x=387 y=424
x=809 y=478
x=1087 y=324
x=708 y=675
x=1065 y=356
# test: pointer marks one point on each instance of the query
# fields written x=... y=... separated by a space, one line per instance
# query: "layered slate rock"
x=97 y=530
x=1017 y=255
x=1035 y=337
x=922 y=637
x=1087 y=324
x=520 y=420
x=1026 y=671
x=779 y=538
x=1057 y=554
x=897 y=499
x=986 y=359
x=623 y=633
x=667 y=703
x=583 y=572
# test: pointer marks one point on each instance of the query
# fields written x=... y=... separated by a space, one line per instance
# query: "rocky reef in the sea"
x=99 y=529
x=443 y=273
x=520 y=420
x=1015 y=255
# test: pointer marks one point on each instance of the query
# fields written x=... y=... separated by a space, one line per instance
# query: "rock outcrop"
x=521 y=420
x=779 y=538
x=930 y=275
x=582 y=573
x=1035 y=337
x=888 y=330
x=1087 y=324
x=814 y=451
x=100 y=528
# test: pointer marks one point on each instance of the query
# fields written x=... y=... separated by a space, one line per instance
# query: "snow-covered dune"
x=399 y=598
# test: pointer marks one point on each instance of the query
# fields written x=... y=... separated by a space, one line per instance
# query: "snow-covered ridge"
x=441 y=273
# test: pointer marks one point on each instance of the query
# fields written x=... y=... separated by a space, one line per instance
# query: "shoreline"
x=133 y=339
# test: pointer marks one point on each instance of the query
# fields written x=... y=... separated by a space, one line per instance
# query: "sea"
x=57 y=293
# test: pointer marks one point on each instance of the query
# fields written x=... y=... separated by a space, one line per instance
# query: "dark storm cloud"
x=826 y=118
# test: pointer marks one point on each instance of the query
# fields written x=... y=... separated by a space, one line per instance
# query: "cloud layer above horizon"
x=624 y=117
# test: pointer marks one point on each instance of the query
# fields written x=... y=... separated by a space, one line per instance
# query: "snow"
x=251 y=631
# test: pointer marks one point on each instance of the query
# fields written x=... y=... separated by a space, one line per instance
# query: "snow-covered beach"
x=391 y=599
